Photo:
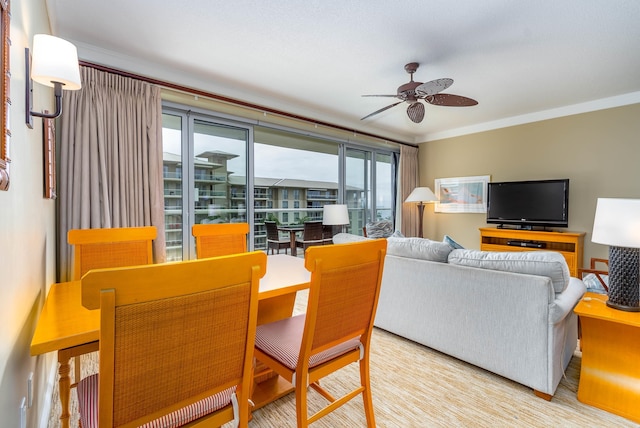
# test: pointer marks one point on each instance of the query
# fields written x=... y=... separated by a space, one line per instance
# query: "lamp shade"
x=55 y=60
x=335 y=215
x=421 y=194
x=617 y=222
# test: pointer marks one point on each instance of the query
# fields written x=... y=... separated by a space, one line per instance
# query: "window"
x=222 y=170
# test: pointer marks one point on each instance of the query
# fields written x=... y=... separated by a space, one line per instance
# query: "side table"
x=610 y=372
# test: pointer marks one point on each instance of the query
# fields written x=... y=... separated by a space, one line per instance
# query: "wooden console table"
x=610 y=372
x=566 y=243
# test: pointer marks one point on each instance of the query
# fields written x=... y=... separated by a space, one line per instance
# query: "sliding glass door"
x=369 y=186
x=205 y=176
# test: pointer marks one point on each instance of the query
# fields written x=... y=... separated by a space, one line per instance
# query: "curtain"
x=110 y=159
x=409 y=178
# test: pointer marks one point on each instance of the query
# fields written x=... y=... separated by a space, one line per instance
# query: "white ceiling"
x=521 y=60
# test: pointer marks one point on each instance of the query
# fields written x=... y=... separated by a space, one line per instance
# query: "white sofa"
x=480 y=307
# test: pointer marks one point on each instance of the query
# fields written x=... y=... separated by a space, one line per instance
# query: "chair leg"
x=301 y=405
x=365 y=381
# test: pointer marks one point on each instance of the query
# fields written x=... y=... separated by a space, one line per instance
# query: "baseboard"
x=48 y=396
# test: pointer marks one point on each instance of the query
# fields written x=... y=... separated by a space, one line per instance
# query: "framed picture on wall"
x=462 y=194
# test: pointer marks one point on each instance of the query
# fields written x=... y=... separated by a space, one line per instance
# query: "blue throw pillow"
x=448 y=240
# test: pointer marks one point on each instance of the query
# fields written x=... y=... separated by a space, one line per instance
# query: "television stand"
x=569 y=244
x=523 y=227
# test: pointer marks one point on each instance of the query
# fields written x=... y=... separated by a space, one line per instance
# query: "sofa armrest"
x=566 y=301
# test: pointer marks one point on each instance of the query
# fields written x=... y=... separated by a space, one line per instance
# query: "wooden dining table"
x=68 y=328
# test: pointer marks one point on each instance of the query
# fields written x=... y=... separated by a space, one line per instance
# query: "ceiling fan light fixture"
x=415 y=112
x=430 y=92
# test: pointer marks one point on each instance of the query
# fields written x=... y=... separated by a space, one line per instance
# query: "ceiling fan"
x=412 y=92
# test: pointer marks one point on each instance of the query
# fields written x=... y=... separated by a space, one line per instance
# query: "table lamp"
x=335 y=215
x=421 y=195
x=617 y=224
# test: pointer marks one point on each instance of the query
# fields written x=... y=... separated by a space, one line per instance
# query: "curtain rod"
x=223 y=98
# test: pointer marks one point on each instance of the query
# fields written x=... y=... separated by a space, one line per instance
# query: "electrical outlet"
x=23 y=413
x=30 y=390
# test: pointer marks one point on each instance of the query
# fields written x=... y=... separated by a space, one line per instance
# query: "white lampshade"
x=55 y=60
x=617 y=222
x=421 y=194
x=335 y=215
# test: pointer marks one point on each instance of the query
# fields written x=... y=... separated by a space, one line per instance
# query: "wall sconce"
x=54 y=63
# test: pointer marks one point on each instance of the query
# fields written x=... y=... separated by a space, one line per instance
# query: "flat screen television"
x=529 y=204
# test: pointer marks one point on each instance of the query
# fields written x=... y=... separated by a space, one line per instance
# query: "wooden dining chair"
x=336 y=329
x=176 y=342
x=113 y=247
x=274 y=242
x=311 y=235
x=220 y=239
x=106 y=248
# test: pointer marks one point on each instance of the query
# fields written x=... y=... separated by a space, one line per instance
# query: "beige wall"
x=27 y=235
x=599 y=152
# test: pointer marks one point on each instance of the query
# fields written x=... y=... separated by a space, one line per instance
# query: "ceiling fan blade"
x=381 y=110
x=433 y=87
x=416 y=112
x=450 y=100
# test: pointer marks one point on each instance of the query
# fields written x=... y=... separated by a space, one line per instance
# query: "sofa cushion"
x=543 y=263
x=343 y=238
x=418 y=248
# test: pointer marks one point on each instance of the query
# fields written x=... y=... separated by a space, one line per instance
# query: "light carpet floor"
x=415 y=386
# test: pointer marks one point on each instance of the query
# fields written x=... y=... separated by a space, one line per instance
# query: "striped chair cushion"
x=282 y=340
x=88 y=406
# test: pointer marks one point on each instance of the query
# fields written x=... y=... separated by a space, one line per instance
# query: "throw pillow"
x=397 y=234
x=379 y=229
x=449 y=240
x=542 y=263
x=418 y=248
x=593 y=283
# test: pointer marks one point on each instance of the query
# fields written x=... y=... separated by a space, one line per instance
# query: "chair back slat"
x=221 y=239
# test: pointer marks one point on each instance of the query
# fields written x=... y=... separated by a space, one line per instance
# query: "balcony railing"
x=209 y=177
x=175 y=175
